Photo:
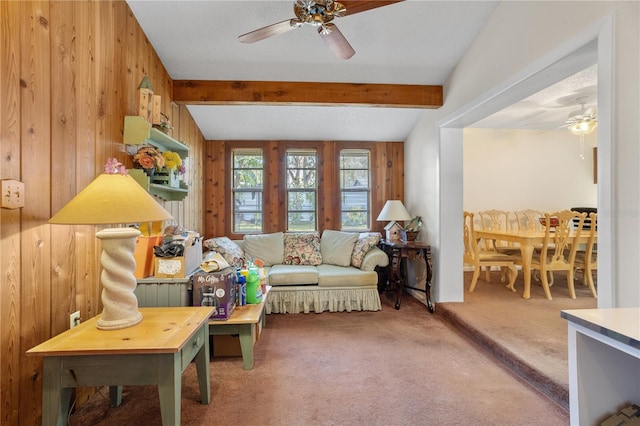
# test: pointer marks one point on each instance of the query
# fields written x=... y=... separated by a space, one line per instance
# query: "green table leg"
x=55 y=398
x=170 y=388
x=115 y=395
x=247 y=332
x=202 y=367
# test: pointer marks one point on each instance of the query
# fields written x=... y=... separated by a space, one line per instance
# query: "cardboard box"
x=144 y=255
x=216 y=289
x=179 y=267
x=229 y=344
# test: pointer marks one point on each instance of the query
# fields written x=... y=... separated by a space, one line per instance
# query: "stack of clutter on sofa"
x=309 y=273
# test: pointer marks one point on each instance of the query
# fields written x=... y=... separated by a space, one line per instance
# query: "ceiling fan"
x=582 y=121
x=318 y=14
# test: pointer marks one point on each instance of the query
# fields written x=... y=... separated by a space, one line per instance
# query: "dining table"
x=527 y=240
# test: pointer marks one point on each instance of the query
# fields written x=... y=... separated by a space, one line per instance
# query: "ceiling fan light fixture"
x=583 y=127
x=582 y=122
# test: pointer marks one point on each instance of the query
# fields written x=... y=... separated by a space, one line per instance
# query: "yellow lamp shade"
x=111 y=199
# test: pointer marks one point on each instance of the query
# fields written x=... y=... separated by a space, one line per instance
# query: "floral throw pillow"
x=302 y=248
x=366 y=241
x=231 y=252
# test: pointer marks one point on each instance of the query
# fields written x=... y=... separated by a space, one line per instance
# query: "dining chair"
x=479 y=258
x=587 y=260
x=498 y=220
x=495 y=220
x=528 y=220
x=558 y=251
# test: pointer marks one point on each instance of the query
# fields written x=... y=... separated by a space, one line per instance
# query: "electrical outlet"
x=74 y=319
x=12 y=194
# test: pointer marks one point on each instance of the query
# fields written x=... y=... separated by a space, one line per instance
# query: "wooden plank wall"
x=387 y=169
x=68 y=76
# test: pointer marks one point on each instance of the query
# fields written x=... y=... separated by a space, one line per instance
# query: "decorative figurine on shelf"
x=164 y=125
x=145 y=99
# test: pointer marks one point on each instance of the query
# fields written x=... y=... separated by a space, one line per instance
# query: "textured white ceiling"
x=551 y=107
x=412 y=42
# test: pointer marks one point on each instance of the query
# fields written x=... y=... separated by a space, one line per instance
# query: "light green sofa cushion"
x=267 y=247
x=344 y=276
x=336 y=247
x=293 y=275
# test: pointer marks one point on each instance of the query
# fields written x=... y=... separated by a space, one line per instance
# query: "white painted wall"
x=518 y=37
x=526 y=169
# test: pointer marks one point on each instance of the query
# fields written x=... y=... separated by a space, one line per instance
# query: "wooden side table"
x=155 y=351
x=243 y=322
x=399 y=252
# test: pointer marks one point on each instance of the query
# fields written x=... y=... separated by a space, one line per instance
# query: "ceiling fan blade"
x=269 y=30
x=357 y=6
x=336 y=41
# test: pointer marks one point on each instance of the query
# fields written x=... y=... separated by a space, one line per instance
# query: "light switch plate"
x=12 y=194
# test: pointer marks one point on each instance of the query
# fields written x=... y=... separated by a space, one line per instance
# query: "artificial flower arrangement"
x=148 y=157
x=173 y=162
x=113 y=167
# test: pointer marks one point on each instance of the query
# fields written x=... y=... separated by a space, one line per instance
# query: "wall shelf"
x=164 y=192
x=138 y=131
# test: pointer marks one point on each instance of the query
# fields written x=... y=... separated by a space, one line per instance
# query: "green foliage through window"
x=355 y=192
x=302 y=189
x=247 y=190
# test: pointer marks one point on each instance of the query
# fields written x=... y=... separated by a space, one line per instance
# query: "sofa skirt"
x=305 y=299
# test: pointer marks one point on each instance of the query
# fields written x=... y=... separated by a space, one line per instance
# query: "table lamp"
x=393 y=211
x=114 y=197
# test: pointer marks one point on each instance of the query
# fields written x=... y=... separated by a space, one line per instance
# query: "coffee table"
x=243 y=322
x=155 y=351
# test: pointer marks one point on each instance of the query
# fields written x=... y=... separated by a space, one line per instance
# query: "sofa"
x=307 y=272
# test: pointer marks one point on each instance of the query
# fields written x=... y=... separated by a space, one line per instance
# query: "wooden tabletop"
x=162 y=330
x=404 y=244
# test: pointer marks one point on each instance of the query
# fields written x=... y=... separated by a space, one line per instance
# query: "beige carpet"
x=393 y=367
x=527 y=335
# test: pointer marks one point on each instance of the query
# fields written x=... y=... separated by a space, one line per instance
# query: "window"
x=247 y=188
x=355 y=204
x=302 y=189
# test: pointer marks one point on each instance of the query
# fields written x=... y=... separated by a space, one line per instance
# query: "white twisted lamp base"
x=120 y=304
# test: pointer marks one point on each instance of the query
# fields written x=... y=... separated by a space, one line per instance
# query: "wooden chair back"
x=587 y=260
x=495 y=220
x=558 y=250
x=529 y=220
x=470 y=243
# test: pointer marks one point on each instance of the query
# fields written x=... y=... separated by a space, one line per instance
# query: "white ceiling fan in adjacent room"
x=582 y=122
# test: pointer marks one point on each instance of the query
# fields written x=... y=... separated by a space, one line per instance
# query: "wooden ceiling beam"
x=201 y=92
x=358 y=6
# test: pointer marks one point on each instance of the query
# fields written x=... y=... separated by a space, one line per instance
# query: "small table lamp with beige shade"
x=114 y=197
x=393 y=211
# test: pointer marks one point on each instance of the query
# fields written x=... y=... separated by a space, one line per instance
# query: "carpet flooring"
x=392 y=367
x=528 y=336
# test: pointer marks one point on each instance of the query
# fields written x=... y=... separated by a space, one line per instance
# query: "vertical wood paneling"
x=273 y=199
x=68 y=76
x=36 y=243
x=216 y=168
x=87 y=293
x=130 y=53
x=63 y=136
x=10 y=243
